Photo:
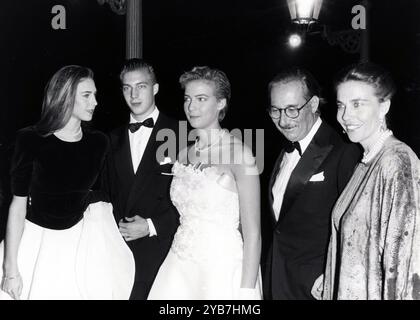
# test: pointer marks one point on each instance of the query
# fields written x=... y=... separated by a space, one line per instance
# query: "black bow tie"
x=291 y=146
x=133 y=127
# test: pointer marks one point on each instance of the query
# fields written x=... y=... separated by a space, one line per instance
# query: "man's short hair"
x=310 y=85
x=138 y=64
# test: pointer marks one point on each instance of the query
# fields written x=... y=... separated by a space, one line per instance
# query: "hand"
x=317 y=288
x=134 y=228
x=12 y=286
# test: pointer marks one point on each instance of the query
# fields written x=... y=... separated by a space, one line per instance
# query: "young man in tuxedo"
x=307 y=179
x=133 y=176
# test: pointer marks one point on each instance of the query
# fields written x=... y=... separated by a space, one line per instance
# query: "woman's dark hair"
x=372 y=74
x=218 y=77
x=59 y=98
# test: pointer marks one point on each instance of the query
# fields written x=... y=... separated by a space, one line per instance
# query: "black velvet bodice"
x=57 y=176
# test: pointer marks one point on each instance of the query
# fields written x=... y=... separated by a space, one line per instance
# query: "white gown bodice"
x=209 y=215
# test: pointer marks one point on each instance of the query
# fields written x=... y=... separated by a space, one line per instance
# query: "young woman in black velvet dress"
x=61 y=241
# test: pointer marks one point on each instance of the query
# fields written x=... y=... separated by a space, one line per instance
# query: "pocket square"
x=166 y=167
x=317 y=177
x=166 y=160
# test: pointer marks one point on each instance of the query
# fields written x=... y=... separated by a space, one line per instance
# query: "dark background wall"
x=245 y=38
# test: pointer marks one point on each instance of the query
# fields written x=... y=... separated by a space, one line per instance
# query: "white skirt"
x=87 y=261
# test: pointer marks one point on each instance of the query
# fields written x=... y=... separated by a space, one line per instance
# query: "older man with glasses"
x=307 y=179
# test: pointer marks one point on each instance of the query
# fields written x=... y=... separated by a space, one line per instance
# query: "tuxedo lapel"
x=273 y=180
x=311 y=160
x=121 y=148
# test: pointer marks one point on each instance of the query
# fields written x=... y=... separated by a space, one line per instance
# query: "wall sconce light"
x=304 y=11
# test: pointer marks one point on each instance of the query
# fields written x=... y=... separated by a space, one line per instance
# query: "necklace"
x=368 y=156
x=197 y=149
x=67 y=137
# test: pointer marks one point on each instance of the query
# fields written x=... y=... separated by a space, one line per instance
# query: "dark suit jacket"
x=145 y=193
x=300 y=236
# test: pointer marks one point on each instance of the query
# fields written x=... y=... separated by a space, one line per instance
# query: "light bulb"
x=295 y=40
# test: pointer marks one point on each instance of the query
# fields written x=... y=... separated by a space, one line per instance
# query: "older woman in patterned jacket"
x=374 y=250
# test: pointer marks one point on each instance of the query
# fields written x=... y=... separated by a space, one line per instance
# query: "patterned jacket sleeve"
x=401 y=228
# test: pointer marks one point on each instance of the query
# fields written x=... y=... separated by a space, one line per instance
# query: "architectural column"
x=133 y=24
x=134 y=29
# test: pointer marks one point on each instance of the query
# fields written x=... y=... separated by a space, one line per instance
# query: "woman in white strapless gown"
x=216 y=250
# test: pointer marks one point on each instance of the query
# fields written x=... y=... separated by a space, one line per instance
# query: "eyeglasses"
x=290 y=112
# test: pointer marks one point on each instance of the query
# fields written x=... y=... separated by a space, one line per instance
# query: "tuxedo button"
x=277 y=231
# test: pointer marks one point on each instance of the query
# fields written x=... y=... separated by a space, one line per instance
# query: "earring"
x=382 y=125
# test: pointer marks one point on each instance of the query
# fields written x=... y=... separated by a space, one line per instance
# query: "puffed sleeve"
x=22 y=162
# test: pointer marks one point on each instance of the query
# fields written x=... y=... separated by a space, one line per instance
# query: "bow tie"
x=291 y=146
x=133 y=127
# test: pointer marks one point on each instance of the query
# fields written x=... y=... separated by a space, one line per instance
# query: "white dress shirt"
x=287 y=165
x=140 y=138
x=138 y=143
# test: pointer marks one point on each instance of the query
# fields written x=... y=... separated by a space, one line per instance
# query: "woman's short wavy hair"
x=217 y=77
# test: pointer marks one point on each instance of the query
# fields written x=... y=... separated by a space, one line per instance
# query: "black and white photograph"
x=203 y=150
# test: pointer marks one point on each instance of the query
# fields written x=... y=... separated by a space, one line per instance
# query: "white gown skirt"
x=89 y=261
